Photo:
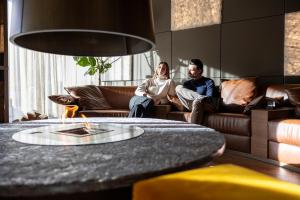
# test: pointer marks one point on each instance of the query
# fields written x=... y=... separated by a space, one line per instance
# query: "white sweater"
x=157 y=89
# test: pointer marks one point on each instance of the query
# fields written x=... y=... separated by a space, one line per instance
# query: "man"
x=196 y=94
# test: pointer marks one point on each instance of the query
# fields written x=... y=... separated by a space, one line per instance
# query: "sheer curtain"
x=33 y=76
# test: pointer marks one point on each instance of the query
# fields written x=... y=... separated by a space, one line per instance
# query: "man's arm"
x=210 y=85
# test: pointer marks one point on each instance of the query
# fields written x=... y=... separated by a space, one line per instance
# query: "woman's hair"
x=167 y=70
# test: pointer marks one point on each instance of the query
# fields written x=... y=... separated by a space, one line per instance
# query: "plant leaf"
x=92 y=61
x=83 y=62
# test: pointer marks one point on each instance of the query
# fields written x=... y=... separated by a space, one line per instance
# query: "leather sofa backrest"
x=118 y=96
x=277 y=91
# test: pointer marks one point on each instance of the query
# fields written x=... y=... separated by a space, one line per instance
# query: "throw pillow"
x=294 y=98
x=275 y=102
x=258 y=102
x=236 y=94
x=63 y=99
x=89 y=97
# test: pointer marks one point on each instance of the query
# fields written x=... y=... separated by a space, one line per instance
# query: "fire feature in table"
x=78 y=134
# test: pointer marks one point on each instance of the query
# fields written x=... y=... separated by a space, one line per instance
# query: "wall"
x=248 y=42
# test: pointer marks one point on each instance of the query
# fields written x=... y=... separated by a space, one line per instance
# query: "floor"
x=259 y=166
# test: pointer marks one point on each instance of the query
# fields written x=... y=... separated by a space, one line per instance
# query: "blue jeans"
x=141 y=106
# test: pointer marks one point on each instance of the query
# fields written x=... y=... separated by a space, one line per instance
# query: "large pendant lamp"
x=83 y=27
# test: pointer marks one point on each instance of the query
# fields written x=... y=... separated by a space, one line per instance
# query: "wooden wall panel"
x=253 y=47
x=236 y=10
x=292 y=6
x=202 y=43
x=163 y=46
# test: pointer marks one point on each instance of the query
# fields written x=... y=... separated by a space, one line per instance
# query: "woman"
x=152 y=92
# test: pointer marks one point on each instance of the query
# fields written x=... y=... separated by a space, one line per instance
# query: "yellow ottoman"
x=216 y=183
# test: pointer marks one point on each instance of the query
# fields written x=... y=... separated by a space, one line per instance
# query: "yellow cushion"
x=215 y=183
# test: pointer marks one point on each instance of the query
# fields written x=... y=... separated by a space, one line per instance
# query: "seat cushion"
x=286 y=153
x=238 y=143
x=105 y=113
x=179 y=116
x=161 y=111
x=230 y=123
x=285 y=131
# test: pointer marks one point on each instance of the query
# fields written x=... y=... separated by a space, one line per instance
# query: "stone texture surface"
x=166 y=146
x=292 y=44
x=187 y=14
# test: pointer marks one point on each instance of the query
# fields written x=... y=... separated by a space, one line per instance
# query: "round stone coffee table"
x=166 y=146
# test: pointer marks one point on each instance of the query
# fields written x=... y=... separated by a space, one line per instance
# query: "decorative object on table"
x=78 y=134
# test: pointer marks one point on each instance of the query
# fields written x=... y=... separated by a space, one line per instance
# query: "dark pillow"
x=258 y=102
x=294 y=98
x=275 y=102
x=63 y=99
x=89 y=97
x=236 y=94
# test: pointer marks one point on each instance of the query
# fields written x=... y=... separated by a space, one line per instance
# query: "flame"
x=70 y=111
x=86 y=124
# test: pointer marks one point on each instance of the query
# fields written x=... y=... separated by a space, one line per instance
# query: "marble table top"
x=166 y=146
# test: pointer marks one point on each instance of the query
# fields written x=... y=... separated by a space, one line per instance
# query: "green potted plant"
x=94 y=64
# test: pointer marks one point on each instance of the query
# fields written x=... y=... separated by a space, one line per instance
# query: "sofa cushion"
x=231 y=123
x=294 y=98
x=179 y=116
x=238 y=143
x=89 y=97
x=286 y=153
x=285 y=131
x=63 y=99
x=118 y=96
x=236 y=94
x=105 y=113
x=279 y=90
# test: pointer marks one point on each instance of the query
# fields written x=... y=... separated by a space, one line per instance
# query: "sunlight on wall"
x=194 y=13
x=292 y=44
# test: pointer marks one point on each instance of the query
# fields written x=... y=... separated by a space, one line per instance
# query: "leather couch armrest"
x=161 y=111
x=259 y=128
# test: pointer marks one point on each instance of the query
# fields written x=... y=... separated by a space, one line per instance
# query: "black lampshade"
x=83 y=27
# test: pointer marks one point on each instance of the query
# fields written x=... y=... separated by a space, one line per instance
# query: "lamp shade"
x=83 y=27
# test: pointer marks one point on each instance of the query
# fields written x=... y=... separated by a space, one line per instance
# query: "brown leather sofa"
x=118 y=98
x=276 y=133
x=240 y=130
